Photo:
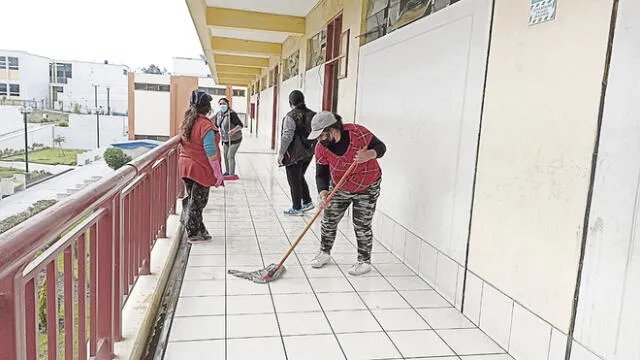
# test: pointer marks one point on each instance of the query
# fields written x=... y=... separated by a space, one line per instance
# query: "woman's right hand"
x=324 y=199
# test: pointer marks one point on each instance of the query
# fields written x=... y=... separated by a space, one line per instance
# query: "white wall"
x=313 y=82
x=265 y=118
x=80 y=89
x=608 y=317
x=538 y=130
x=152 y=113
x=426 y=108
x=33 y=75
x=37 y=134
x=81 y=133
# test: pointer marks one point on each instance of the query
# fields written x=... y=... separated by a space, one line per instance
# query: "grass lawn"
x=6 y=172
x=50 y=156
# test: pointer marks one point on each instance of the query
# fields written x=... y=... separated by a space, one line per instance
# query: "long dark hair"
x=190 y=117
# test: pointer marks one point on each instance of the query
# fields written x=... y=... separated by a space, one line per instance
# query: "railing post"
x=8 y=319
x=164 y=186
x=117 y=268
x=145 y=226
x=105 y=293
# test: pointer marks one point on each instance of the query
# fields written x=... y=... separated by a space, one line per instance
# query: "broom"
x=273 y=271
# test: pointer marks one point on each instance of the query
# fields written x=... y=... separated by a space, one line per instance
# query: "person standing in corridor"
x=296 y=152
x=230 y=128
x=199 y=164
x=338 y=147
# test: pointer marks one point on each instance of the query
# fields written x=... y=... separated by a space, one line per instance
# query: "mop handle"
x=338 y=186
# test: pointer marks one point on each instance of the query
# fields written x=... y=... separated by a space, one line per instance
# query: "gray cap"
x=321 y=121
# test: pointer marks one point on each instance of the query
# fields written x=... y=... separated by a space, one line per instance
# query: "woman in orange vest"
x=199 y=164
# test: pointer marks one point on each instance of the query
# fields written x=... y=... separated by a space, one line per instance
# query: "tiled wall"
x=439 y=270
x=519 y=331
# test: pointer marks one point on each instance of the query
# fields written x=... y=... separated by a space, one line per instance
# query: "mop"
x=274 y=271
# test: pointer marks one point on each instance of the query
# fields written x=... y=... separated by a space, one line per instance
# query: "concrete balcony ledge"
x=140 y=308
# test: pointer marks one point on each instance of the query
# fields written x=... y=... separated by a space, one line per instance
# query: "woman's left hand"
x=364 y=155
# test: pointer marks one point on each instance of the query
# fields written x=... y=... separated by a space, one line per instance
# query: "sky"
x=130 y=32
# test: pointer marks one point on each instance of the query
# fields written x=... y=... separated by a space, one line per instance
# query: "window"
x=58 y=89
x=14 y=89
x=3 y=62
x=214 y=91
x=3 y=89
x=240 y=93
x=291 y=66
x=13 y=63
x=124 y=72
x=316 y=49
x=60 y=73
x=385 y=16
x=272 y=77
x=152 y=87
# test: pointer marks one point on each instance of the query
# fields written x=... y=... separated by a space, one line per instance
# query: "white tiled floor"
x=307 y=314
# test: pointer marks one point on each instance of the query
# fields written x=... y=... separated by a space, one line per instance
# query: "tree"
x=59 y=140
x=116 y=158
x=153 y=69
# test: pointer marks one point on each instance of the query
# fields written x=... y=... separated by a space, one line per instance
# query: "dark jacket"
x=296 y=127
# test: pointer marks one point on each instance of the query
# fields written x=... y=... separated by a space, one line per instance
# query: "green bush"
x=16 y=219
x=116 y=158
x=63 y=123
x=76 y=108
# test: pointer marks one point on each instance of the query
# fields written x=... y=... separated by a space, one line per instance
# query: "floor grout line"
x=306 y=276
x=273 y=304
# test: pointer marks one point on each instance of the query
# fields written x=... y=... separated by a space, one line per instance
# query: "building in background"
x=157 y=103
x=63 y=85
x=190 y=67
x=75 y=85
x=24 y=76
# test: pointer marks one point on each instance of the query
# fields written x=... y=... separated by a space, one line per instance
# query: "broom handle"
x=304 y=232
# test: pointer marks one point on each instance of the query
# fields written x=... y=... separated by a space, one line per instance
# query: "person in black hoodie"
x=296 y=152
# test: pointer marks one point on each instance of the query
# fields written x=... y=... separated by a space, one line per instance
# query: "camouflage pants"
x=192 y=205
x=364 y=206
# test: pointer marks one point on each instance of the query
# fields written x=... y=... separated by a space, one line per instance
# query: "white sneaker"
x=360 y=268
x=320 y=260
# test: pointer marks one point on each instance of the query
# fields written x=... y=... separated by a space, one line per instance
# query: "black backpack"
x=300 y=148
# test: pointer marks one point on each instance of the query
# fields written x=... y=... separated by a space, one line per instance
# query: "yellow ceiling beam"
x=234 y=83
x=245 y=46
x=249 y=20
x=228 y=69
x=246 y=61
x=242 y=80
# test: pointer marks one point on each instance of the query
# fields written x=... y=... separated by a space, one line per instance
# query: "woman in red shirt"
x=338 y=147
x=199 y=164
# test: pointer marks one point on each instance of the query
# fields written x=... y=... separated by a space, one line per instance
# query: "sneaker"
x=320 y=260
x=360 y=268
x=197 y=239
x=307 y=207
x=226 y=173
x=293 y=212
x=205 y=235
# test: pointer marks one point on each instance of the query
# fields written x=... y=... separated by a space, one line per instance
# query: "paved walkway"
x=53 y=169
x=50 y=189
x=308 y=313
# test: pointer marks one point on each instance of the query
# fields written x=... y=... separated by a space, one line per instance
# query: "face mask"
x=224 y=108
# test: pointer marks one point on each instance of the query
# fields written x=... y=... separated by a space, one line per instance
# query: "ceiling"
x=249 y=35
x=283 y=7
x=240 y=31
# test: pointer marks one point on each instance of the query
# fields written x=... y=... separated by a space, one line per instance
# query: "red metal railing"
x=93 y=245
